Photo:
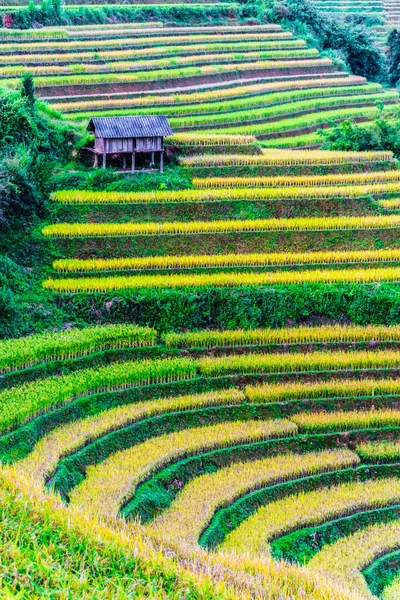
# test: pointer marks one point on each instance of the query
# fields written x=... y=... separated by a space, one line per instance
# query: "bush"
x=383 y=133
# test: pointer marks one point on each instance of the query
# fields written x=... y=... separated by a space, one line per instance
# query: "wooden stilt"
x=96 y=160
x=162 y=161
x=104 y=160
x=124 y=162
x=133 y=162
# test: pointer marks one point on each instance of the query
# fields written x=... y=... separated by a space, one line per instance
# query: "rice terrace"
x=200 y=300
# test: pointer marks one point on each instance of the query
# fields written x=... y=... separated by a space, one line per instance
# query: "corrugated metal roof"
x=128 y=127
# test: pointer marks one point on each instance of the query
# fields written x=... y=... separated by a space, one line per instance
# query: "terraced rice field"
x=249 y=80
x=226 y=443
x=226 y=436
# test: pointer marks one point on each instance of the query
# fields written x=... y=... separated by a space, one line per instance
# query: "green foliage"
x=381 y=133
x=111 y=181
x=50 y=12
x=393 y=55
x=348 y=39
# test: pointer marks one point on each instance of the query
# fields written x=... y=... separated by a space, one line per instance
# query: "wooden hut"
x=128 y=136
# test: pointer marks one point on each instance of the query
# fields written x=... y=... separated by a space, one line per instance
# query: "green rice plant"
x=136 y=41
x=25 y=401
x=283 y=107
x=212 y=366
x=349 y=388
x=138 y=65
x=307 y=509
x=299 y=181
x=76 y=265
x=219 y=195
x=224 y=279
x=303 y=121
x=110 y=482
x=340 y=421
x=72 y=57
x=261 y=106
x=306 y=140
x=164 y=74
x=43 y=460
x=195 y=506
x=288 y=335
x=344 y=560
x=285 y=158
x=69 y=344
x=192 y=98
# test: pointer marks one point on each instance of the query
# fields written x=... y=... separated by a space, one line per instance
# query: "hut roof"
x=130 y=127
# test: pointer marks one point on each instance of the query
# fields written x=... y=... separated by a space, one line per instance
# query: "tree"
x=28 y=89
x=393 y=55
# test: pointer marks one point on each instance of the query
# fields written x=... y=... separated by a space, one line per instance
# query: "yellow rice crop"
x=348 y=388
x=344 y=560
x=393 y=203
x=222 y=194
x=193 y=509
x=42 y=461
x=209 y=139
x=195 y=227
x=215 y=366
x=113 y=480
x=286 y=157
x=229 y=279
x=74 y=265
x=307 y=509
x=323 y=421
x=288 y=335
x=299 y=181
